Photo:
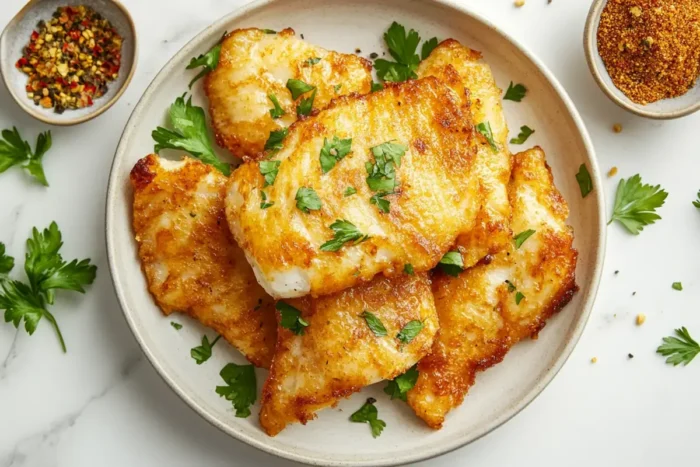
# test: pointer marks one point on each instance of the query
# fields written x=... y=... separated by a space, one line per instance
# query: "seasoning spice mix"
x=651 y=48
x=71 y=58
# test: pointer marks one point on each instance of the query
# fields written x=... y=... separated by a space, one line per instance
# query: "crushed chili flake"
x=71 y=58
x=651 y=48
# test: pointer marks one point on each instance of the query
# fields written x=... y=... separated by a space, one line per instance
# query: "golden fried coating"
x=463 y=70
x=254 y=65
x=190 y=259
x=479 y=316
x=338 y=354
x=436 y=199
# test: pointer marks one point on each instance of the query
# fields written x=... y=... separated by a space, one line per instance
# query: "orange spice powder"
x=651 y=48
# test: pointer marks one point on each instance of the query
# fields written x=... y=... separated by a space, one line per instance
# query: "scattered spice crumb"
x=630 y=356
x=373 y=55
x=358 y=51
x=612 y=172
x=634 y=293
x=594 y=359
x=617 y=128
x=617 y=272
x=641 y=318
x=519 y=3
x=302 y=36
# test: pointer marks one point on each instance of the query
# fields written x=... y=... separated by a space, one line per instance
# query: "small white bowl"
x=664 y=109
x=16 y=36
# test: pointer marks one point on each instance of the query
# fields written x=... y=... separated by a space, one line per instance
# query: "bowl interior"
x=332 y=439
x=663 y=109
x=16 y=36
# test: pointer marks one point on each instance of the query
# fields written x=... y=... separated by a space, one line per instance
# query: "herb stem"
x=53 y=322
x=213 y=343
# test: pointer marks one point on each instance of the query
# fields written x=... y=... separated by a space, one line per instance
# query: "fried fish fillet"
x=338 y=354
x=436 y=198
x=190 y=259
x=480 y=317
x=254 y=65
x=464 y=70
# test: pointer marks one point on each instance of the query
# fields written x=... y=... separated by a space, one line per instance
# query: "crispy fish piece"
x=436 y=198
x=338 y=354
x=254 y=65
x=465 y=72
x=191 y=262
x=480 y=317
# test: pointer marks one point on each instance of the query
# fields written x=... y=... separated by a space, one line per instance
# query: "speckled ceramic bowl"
x=16 y=36
x=664 y=109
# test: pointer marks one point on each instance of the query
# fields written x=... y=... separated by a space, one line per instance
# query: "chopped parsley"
x=306 y=105
x=240 y=389
x=519 y=297
x=344 y=232
x=452 y=263
x=428 y=47
x=525 y=132
x=381 y=176
x=264 y=204
x=515 y=92
x=680 y=349
x=270 y=31
x=636 y=204
x=291 y=318
x=511 y=286
x=585 y=183
x=274 y=141
x=409 y=331
x=521 y=237
x=312 y=61
x=202 y=353
x=677 y=286
x=307 y=200
x=277 y=111
x=298 y=87
x=380 y=202
x=374 y=324
x=368 y=414
x=175 y=325
x=408 y=269
x=349 y=191
x=403 y=48
x=398 y=387
x=696 y=203
x=376 y=86
x=333 y=151
x=269 y=170
x=485 y=129
x=337 y=87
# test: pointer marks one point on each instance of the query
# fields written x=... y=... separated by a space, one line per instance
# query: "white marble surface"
x=102 y=404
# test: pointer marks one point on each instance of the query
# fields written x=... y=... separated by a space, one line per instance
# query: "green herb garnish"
x=241 y=387
x=269 y=170
x=333 y=151
x=337 y=87
x=368 y=414
x=485 y=129
x=521 y=237
x=349 y=191
x=298 y=87
x=382 y=174
x=519 y=297
x=374 y=324
x=696 y=203
x=452 y=263
x=306 y=105
x=202 y=353
x=207 y=61
x=408 y=269
x=277 y=111
x=511 y=286
x=175 y=325
x=525 y=132
x=307 y=200
x=264 y=204
x=274 y=141
x=46 y=272
x=376 y=86
x=291 y=318
x=344 y=232
x=636 y=204
x=428 y=47
x=398 y=387
x=312 y=61
x=269 y=31
x=681 y=349
x=402 y=48
x=379 y=200
x=515 y=92
x=677 y=286
x=189 y=134
x=409 y=331
x=585 y=183
x=15 y=151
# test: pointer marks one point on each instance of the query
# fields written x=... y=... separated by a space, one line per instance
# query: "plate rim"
x=445 y=447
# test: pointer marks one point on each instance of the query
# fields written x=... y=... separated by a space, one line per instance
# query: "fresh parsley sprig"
x=307 y=200
x=277 y=111
x=515 y=92
x=525 y=133
x=344 y=232
x=16 y=151
x=521 y=237
x=402 y=47
x=679 y=349
x=189 y=134
x=452 y=263
x=334 y=151
x=240 y=389
x=46 y=272
x=485 y=129
x=202 y=353
x=291 y=318
x=381 y=176
x=398 y=387
x=207 y=61
x=368 y=414
x=636 y=204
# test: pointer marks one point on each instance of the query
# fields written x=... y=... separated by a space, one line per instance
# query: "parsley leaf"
x=291 y=318
x=15 y=151
x=428 y=46
x=46 y=272
x=402 y=48
x=696 y=203
x=485 y=129
x=511 y=286
x=677 y=286
x=583 y=177
x=207 y=61
x=525 y=132
x=269 y=31
x=408 y=269
x=519 y=297
x=189 y=134
x=312 y=61
x=307 y=200
x=269 y=170
x=175 y=325
x=298 y=87
x=376 y=86
x=515 y=92
x=452 y=263
x=398 y=387
x=277 y=111
x=333 y=151
x=681 y=349
x=264 y=204
x=390 y=151
x=384 y=205
x=337 y=87
x=409 y=331
x=306 y=105
x=368 y=414
x=344 y=232
x=274 y=141
x=374 y=324
x=382 y=174
x=202 y=353
x=521 y=237
x=636 y=203
x=241 y=387
x=349 y=191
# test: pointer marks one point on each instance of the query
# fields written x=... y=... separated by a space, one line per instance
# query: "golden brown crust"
x=190 y=260
x=338 y=353
x=479 y=317
x=253 y=65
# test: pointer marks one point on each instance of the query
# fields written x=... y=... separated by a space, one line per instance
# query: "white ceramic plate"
x=500 y=392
